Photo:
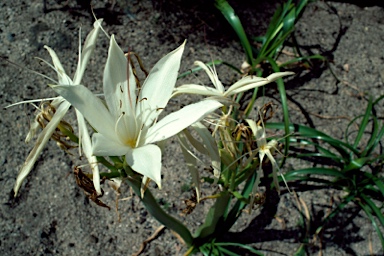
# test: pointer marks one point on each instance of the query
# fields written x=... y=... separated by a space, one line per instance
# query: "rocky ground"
x=52 y=215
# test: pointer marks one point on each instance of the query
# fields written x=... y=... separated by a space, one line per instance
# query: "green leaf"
x=363 y=124
x=215 y=213
x=372 y=208
x=229 y=14
x=237 y=209
x=356 y=164
x=292 y=175
x=299 y=131
x=103 y=161
x=301 y=59
x=247 y=247
x=378 y=182
x=158 y=213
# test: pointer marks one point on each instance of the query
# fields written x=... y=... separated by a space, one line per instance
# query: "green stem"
x=158 y=213
x=68 y=133
x=251 y=103
x=237 y=209
x=111 y=175
x=103 y=161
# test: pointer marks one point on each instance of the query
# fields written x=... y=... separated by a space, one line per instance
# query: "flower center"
x=131 y=143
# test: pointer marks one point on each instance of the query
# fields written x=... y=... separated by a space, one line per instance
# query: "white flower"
x=265 y=148
x=219 y=92
x=62 y=107
x=127 y=125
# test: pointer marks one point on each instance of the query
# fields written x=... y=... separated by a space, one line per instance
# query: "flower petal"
x=158 y=86
x=104 y=146
x=146 y=160
x=275 y=169
x=90 y=106
x=86 y=147
x=250 y=82
x=120 y=95
x=212 y=75
x=43 y=138
x=63 y=78
x=253 y=126
x=86 y=52
x=179 y=120
x=196 y=89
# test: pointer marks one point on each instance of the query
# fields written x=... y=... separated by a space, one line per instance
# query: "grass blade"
x=225 y=8
x=372 y=207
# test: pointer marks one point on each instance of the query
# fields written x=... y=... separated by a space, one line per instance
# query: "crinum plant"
x=127 y=126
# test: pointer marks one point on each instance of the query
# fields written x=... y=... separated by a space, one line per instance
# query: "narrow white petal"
x=261 y=137
x=248 y=81
x=95 y=174
x=212 y=75
x=57 y=101
x=30 y=101
x=86 y=145
x=158 y=86
x=275 y=169
x=42 y=139
x=251 y=82
x=34 y=126
x=181 y=119
x=104 y=146
x=86 y=53
x=253 y=126
x=119 y=94
x=63 y=78
x=146 y=160
x=196 y=89
x=89 y=105
x=277 y=75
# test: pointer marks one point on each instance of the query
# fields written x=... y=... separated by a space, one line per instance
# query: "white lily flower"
x=219 y=92
x=127 y=125
x=264 y=148
x=62 y=108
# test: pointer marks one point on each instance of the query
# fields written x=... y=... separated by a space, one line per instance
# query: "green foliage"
x=279 y=30
x=354 y=166
x=229 y=14
x=158 y=213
